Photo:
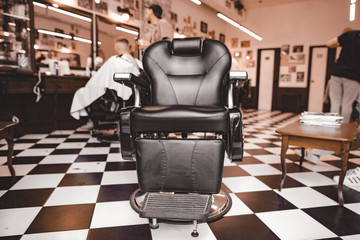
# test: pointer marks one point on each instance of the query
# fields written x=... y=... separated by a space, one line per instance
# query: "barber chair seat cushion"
x=180 y=118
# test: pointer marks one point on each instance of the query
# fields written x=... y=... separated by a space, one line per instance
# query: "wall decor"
x=222 y=37
x=173 y=17
x=300 y=58
x=203 y=27
x=298 y=48
x=212 y=34
x=245 y=44
x=285 y=78
x=292 y=68
x=300 y=76
x=85 y=4
x=102 y=7
x=234 y=42
x=285 y=50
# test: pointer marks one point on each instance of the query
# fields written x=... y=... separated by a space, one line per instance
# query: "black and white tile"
x=70 y=186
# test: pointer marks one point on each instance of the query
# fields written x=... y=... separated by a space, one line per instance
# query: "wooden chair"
x=7 y=132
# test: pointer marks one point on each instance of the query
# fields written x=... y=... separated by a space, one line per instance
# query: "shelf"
x=14 y=16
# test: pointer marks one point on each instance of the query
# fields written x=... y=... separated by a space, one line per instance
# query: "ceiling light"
x=82 y=40
x=196 y=1
x=237 y=25
x=70 y=14
x=125 y=16
x=352 y=10
x=55 y=5
x=39 y=4
x=127 y=30
x=97 y=1
x=56 y=34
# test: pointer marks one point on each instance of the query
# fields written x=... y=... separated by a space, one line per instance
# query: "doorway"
x=321 y=63
x=267 y=78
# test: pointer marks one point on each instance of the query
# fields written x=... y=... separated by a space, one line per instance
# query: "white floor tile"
x=269 y=159
x=65 y=235
x=20 y=169
x=2 y=192
x=330 y=158
x=312 y=179
x=73 y=195
x=355 y=207
x=351 y=237
x=94 y=151
x=227 y=162
x=251 y=146
x=3 y=160
x=115 y=157
x=71 y=145
x=320 y=166
x=38 y=181
x=15 y=221
x=256 y=140
x=3 y=141
x=78 y=135
x=17 y=146
x=58 y=159
x=260 y=169
x=111 y=214
x=93 y=140
x=238 y=207
x=34 y=136
x=305 y=197
x=245 y=184
x=119 y=177
x=181 y=232
x=87 y=167
x=62 y=132
x=290 y=224
x=277 y=150
x=51 y=140
x=35 y=152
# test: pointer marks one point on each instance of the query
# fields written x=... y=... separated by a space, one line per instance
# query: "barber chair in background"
x=180 y=138
x=104 y=112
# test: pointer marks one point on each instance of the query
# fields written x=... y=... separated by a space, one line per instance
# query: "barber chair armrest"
x=130 y=80
x=237 y=80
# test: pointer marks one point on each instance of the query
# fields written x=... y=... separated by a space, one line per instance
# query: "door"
x=318 y=75
x=266 y=79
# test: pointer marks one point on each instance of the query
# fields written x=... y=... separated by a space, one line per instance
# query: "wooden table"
x=330 y=138
x=7 y=132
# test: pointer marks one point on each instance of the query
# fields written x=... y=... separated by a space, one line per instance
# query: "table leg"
x=10 y=142
x=345 y=148
x=284 y=147
x=302 y=156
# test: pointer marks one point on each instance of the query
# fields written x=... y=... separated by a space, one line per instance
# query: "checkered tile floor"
x=70 y=186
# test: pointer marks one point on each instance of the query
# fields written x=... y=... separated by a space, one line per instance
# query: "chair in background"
x=180 y=138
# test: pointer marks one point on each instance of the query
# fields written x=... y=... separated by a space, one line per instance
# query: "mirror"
x=62 y=34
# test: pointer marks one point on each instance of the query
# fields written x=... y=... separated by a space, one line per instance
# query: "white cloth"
x=102 y=79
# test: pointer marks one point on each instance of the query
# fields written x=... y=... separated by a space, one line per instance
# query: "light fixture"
x=82 y=40
x=66 y=2
x=99 y=43
x=97 y=1
x=352 y=10
x=196 y=1
x=6 y=34
x=36 y=46
x=39 y=4
x=65 y=50
x=237 y=25
x=55 y=5
x=124 y=13
x=56 y=34
x=70 y=14
x=179 y=35
x=127 y=30
x=237 y=54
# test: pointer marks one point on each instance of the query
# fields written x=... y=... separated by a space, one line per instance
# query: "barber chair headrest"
x=186 y=46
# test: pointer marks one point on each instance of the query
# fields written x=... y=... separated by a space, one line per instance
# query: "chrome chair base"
x=221 y=204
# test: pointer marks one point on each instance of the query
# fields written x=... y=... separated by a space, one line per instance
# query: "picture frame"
x=298 y=48
x=245 y=44
x=234 y=42
x=203 y=27
x=222 y=38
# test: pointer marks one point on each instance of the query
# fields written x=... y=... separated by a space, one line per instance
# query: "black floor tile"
x=337 y=219
x=62 y=218
x=264 y=201
x=45 y=145
x=26 y=140
x=257 y=152
x=7 y=182
x=5 y=152
x=350 y=195
x=97 y=144
x=117 y=166
x=241 y=227
x=119 y=192
x=267 y=145
x=338 y=163
x=28 y=160
x=65 y=151
x=11 y=238
x=25 y=198
x=134 y=232
x=290 y=167
x=76 y=140
x=249 y=160
x=234 y=171
x=273 y=181
x=58 y=136
x=50 y=168
x=91 y=158
x=80 y=179
x=115 y=150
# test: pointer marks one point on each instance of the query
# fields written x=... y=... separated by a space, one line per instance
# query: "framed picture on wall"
x=300 y=76
x=102 y=7
x=285 y=78
x=234 y=42
x=85 y=4
x=298 y=48
x=222 y=37
x=203 y=27
x=173 y=17
x=245 y=44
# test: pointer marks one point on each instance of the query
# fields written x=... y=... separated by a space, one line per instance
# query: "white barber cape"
x=102 y=79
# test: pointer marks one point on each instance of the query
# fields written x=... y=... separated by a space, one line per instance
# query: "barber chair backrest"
x=183 y=72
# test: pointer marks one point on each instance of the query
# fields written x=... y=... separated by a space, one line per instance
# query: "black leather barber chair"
x=180 y=138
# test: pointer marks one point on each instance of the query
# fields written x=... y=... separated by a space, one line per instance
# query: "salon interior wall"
x=304 y=23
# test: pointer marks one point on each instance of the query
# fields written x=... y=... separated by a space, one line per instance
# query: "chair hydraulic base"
x=221 y=204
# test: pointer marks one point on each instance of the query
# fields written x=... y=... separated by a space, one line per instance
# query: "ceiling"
x=249 y=4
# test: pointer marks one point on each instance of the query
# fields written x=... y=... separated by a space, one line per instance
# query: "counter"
x=51 y=112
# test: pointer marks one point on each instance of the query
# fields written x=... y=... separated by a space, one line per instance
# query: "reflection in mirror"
x=61 y=35
x=108 y=32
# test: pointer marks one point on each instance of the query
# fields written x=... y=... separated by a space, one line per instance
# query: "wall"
x=305 y=23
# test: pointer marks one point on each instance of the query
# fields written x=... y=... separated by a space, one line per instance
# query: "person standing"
x=345 y=79
x=162 y=30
